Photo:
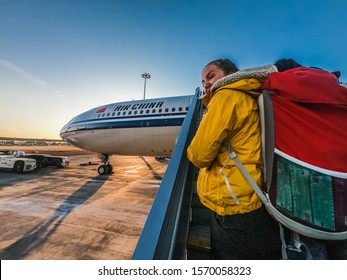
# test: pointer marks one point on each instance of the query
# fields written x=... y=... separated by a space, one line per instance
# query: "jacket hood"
x=259 y=73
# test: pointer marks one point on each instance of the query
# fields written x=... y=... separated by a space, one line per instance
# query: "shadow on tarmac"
x=38 y=235
x=154 y=173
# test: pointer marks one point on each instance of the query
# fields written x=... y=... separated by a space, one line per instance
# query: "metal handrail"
x=165 y=232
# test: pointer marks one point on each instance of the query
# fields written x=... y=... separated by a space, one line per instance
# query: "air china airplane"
x=142 y=127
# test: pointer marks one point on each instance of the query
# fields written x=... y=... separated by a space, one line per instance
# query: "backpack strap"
x=298 y=246
x=245 y=173
x=267 y=128
x=266 y=116
x=228 y=147
x=277 y=215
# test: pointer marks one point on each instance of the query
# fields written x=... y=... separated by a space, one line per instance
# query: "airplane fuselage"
x=142 y=127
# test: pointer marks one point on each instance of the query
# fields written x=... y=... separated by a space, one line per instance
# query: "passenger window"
x=173 y=109
x=180 y=109
x=166 y=110
x=153 y=111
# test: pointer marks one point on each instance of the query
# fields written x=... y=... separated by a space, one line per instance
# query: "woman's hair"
x=225 y=65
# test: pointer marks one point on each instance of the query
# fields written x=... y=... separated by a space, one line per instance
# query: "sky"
x=59 y=58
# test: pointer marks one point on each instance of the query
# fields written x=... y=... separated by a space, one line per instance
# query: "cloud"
x=30 y=78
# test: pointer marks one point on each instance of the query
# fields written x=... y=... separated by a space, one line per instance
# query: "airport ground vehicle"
x=44 y=160
x=16 y=162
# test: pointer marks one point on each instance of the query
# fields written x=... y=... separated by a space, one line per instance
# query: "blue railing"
x=165 y=232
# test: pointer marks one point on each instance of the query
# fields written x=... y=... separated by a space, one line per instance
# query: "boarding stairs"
x=178 y=225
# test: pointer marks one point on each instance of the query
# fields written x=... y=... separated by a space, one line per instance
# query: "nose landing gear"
x=105 y=167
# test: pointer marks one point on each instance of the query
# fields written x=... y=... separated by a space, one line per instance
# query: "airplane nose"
x=63 y=131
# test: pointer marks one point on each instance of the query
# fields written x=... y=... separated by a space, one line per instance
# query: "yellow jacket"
x=231 y=116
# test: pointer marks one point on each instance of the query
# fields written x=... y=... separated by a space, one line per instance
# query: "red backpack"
x=303 y=113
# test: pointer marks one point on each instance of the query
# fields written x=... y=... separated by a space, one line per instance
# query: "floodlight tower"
x=145 y=76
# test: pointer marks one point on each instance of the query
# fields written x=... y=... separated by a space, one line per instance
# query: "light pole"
x=145 y=76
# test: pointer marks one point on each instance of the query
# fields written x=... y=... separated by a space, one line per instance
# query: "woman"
x=241 y=226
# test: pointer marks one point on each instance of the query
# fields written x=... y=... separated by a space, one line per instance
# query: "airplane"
x=147 y=127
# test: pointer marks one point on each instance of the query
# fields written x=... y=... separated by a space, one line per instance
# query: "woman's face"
x=209 y=75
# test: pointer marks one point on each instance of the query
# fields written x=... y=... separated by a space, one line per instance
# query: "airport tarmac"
x=73 y=213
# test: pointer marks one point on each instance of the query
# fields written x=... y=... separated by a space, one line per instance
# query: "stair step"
x=199 y=238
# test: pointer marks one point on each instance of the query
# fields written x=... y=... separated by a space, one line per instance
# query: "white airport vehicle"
x=146 y=127
x=44 y=160
x=14 y=162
